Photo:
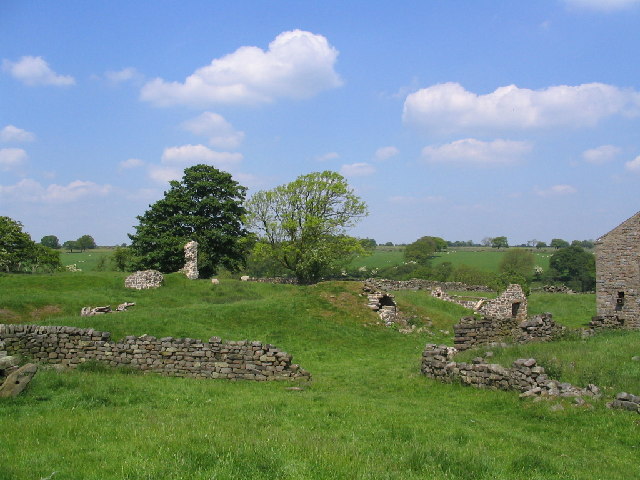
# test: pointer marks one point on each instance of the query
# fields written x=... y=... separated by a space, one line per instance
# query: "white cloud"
x=470 y=151
x=633 y=165
x=327 y=156
x=34 y=71
x=449 y=107
x=297 y=64
x=186 y=155
x=29 y=190
x=15 y=134
x=385 y=153
x=556 y=190
x=220 y=132
x=361 y=169
x=410 y=200
x=124 y=75
x=130 y=163
x=12 y=158
x=601 y=154
x=603 y=5
x=164 y=174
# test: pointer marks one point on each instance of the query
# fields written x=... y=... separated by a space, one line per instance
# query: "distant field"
x=487 y=259
x=86 y=260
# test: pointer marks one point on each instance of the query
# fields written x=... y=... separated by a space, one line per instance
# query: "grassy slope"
x=367 y=414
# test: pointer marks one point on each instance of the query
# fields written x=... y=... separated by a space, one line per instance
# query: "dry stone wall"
x=525 y=376
x=144 y=279
x=181 y=357
x=380 y=284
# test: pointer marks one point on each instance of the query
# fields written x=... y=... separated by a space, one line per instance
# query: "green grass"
x=87 y=260
x=367 y=414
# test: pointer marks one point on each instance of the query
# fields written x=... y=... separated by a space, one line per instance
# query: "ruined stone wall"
x=144 y=279
x=418 y=284
x=524 y=376
x=181 y=357
x=473 y=332
x=276 y=280
x=512 y=303
x=190 y=268
x=618 y=273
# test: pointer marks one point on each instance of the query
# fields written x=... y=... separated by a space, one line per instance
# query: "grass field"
x=367 y=414
x=87 y=260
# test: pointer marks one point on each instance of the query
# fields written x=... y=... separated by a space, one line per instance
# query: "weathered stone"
x=142 y=280
x=17 y=381
x=190 y=268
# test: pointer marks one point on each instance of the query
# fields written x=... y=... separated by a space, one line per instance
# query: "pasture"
x=367 y=413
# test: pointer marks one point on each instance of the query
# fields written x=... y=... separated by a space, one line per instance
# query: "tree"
x=18 y=253
x=499 y=242
x=121 y=259
x=206 y=206
x=558 y=243
x=369 y=244
x=486 y=241
x=518 y=261
x=540 y=245
x=423 y=249
x=303 y=224
x=70 y=245
x=85 y=242
x=574 y=267
x=50 y=241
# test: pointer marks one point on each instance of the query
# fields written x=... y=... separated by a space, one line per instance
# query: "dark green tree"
x=558 y=243
x=540 y=245
x=85 y=242
x=206 y=206
x=70 y=245
x=499 y=242
x=50 y=241
x=302 y=225
x=423 y=249
x=18 y=253
x=574 y=267
x=518 y=261
x=122 y=259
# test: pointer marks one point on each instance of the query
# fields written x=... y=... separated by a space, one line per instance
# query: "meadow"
x=366 y=414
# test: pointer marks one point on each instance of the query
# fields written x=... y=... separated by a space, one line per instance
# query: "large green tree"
x=85 y=242
x=499 y=242
x=303 y=224
x=206 y=206
x=18 y=253
x=423 y=249
x=518 y=261
x=574 y=267
x=50 y=241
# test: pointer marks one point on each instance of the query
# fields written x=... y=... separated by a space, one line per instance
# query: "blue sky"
x=461 y=119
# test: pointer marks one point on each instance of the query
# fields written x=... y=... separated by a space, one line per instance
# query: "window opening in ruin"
x=620 y=301
x=387 y=301
x=514 y=309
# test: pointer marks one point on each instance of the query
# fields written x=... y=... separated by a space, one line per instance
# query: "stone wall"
x=524 y=376
x=190 y=268
x=512 y=303
x=182 y=357
x=626 y=401
x=618 y=273
x=276 y=280
x=144 y=279
x=380 y=284
x=473 y=332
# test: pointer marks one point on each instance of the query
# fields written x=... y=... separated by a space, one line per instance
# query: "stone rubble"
x=626 y=401
x=91 y=311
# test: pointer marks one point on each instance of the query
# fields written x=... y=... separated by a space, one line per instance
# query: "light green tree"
x=302 y=224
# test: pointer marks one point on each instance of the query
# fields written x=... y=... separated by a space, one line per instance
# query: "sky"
x=459 y=119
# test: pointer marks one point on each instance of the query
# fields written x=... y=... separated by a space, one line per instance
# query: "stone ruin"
x=92 y=311
x=190 y=268
x=512 y=303
x=13 y=378
x=385 y=305
x=145 y=279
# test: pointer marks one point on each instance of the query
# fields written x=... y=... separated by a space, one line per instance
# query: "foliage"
x=70 y=245
x=558 y=243
x=50 y=241
x=206 y=206
x=499 y=242
x=18 y=253
x=518 y=261
x=422 y=249
x=369 y=244
x=85 y=242
x=302 y=225
x=574 y=267
x=583 y=243
x=540 y=245
x=122 y=259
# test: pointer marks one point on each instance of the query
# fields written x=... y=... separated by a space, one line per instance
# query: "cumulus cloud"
x=327 y=156
x=15 y=134
x=470 y=151
x=124 y=75
x=556 y=190
x=600 y=155
x=130 y=163
x=12 y=158
x=361 y=169
x=603 y=5
x=29 y=190
x=450 y=107
x=633 y=165
x=186 y=155
x=35 y=71
x=297 y=64
x=220 y=132
x=164 y=174
x=385 y=153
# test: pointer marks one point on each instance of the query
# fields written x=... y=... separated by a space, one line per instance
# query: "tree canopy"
x=558 y=243
x=50 y=241
x=206 y=206
x=302 y=224
x=18 y=253
x=499 y=242
x=422 y=249
x=574 y=267
x=518 y=261
x=85 y=242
